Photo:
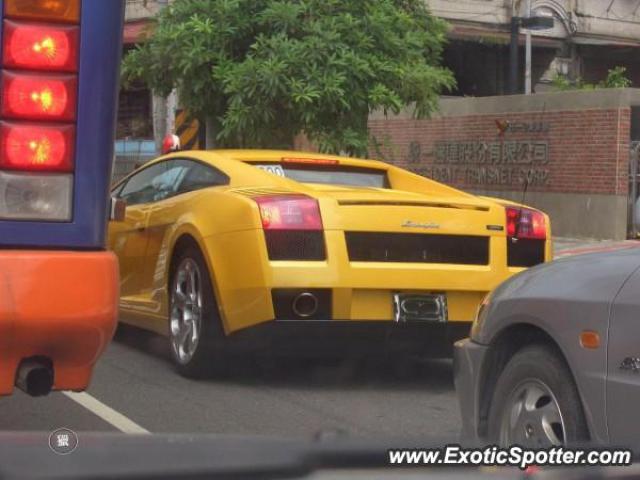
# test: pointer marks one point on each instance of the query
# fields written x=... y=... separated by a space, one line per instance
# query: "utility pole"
x=513 y=56
x=530 y=23
x=527 y=69
x=159 y=108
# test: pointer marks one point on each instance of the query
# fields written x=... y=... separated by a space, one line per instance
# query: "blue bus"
x=58 y=283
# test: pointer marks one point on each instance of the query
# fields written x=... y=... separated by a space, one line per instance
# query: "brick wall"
x=571 y=151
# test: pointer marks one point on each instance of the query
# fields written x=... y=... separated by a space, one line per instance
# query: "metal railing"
x=130 y=154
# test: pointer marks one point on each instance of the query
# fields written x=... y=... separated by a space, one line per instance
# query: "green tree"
x=616 y=78
x=265 y=70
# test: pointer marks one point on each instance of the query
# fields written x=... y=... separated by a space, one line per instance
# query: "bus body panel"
x=100 y=52
x=58 y=305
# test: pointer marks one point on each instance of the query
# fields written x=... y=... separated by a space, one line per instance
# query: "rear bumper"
x=335 y=338
x=61 y=305
x=468 y=357
x=244 y=279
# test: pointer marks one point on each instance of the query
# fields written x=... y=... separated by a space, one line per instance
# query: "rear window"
x=329 y=174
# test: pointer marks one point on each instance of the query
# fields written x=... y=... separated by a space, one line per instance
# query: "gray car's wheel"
x=536 y=403
x=195 y=330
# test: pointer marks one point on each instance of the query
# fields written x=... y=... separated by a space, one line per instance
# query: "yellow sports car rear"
x=298 y=253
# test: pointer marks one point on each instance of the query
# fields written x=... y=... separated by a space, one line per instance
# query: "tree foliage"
x=266 y=70
x=616 y=78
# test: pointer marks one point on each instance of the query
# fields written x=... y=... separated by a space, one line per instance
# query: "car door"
x=623 y=360
x=128 y=239
x=192 y=176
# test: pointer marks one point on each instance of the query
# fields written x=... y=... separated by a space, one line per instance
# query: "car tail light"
x=40 y=51
x=39 y=47
x=289 y=212
x=46 y=10
x=525 y=223
x=39 y=98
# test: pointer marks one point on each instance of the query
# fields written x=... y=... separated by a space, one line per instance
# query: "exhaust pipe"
x=305 y=305
x=35 y=377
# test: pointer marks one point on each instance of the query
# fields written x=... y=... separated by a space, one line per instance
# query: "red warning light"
x=39 y=97
x=32 y=147
x=40 y=47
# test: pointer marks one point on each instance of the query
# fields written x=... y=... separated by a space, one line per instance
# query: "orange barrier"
x=57 y=304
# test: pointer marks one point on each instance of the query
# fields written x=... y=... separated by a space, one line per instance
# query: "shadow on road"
x=340 y=374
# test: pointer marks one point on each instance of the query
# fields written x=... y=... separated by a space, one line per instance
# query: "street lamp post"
x=527 y=56
x=513 y=56
x=532 y=23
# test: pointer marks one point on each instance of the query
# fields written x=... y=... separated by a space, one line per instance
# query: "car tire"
x=192 y=305
x=536 y=403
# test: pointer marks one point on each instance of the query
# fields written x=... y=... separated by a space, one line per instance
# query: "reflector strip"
x=45 y=10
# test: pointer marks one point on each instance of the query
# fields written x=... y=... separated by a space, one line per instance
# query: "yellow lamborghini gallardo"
x=237 y=251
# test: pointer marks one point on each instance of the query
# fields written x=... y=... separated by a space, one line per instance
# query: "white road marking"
x=106 y=413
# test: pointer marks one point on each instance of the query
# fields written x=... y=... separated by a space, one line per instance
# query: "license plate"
x=408 y=307
x=273 y=169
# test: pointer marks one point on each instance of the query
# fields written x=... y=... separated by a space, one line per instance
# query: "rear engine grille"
x=295 y=245
x=417 y=248
x=525 y=252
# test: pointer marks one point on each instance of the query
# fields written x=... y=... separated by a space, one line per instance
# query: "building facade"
x=589 y=37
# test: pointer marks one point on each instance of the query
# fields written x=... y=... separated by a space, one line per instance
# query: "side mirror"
x=118 y=209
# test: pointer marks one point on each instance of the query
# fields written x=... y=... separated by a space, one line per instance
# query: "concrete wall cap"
x=602 y=99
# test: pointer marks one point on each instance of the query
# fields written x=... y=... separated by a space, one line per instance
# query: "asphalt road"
x=135 y=389
x=289 y=398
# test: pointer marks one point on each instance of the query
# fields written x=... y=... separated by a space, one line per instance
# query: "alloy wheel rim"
x=186 y=310
x=532 y=417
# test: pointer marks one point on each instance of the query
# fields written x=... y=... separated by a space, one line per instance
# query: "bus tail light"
x=43 y=10
x=40 y=52
x=39 y=97
x=28 y=196
x=38 y=47
x=36 y=147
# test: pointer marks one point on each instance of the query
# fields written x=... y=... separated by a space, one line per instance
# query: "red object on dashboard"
x=50 y=97
x=289 y=212
x=526 y=223
x=36 y=147
x=40 y=47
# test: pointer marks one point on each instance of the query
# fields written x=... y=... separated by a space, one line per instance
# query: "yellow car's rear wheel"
x=195 y=331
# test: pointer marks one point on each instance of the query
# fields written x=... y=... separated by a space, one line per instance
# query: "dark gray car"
x=554 y=356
